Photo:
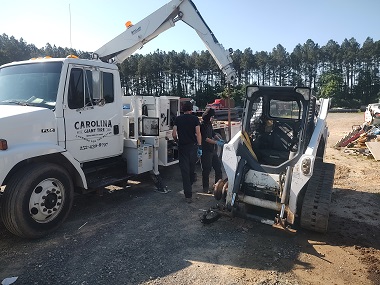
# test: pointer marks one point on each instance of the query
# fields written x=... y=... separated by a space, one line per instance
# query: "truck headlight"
x=306 y=165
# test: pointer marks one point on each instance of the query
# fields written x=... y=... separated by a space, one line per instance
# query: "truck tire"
x=315 y=209
x=36 y=200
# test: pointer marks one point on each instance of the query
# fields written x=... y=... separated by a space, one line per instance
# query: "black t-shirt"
x=207 y=132
x=186 y=124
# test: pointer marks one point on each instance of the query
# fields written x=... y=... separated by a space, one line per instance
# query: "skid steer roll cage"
x=302 y=97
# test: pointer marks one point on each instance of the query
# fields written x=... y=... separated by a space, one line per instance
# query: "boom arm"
x=159 y=21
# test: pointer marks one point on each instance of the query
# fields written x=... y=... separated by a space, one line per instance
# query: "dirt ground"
x=138 y=236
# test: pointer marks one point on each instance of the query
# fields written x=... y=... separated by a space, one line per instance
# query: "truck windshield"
x=32 y=84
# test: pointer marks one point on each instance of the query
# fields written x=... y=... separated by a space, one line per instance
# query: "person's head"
x=187 y=106
x=208 y=114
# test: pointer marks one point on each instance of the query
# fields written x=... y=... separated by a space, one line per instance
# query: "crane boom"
x=134 y=38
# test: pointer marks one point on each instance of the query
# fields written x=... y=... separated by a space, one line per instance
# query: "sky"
x=87 y=25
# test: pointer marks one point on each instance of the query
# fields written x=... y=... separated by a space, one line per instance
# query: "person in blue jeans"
x=186 y=131
x=210 y=157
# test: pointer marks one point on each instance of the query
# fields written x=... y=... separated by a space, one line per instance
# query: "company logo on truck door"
x=93 y=124
x=93 y=131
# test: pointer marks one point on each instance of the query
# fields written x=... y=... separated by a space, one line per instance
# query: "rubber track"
x=316 y=203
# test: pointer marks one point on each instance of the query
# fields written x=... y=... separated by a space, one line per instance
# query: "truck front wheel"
x=36 y=200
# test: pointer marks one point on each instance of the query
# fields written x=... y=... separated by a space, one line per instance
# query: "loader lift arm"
x=134 y=38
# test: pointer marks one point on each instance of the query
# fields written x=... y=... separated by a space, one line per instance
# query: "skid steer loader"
x=275 y=168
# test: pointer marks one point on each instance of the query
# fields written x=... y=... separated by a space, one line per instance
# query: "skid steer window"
x=284 y=109
x=256 y=112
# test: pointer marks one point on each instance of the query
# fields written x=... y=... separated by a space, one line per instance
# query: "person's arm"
x=198 y=134
x=216 y=139
x=174 y=133
x=211 y=141
x=212 y=137
x=217 y=136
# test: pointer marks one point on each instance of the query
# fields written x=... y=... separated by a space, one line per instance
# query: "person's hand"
x=220 y=142
x=199 y=152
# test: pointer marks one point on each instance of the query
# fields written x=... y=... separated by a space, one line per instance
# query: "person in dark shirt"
x=209 y=156
x=186 y=132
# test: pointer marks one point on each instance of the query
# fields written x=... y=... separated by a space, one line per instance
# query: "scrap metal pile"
x=362 y=140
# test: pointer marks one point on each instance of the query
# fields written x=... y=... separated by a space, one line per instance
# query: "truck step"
x=103 y=177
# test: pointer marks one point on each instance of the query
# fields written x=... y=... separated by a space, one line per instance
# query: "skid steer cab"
x=275 y=168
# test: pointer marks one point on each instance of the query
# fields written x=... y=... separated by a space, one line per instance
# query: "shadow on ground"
x=136 y=235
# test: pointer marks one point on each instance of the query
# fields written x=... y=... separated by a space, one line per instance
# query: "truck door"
x=92 y=117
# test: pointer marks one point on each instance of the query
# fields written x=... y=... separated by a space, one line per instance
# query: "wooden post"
x=229 y=112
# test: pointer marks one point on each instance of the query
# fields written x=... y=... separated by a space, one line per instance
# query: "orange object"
x=128 y=24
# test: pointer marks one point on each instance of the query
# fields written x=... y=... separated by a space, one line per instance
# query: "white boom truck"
x=275 y=168
x=65 y=126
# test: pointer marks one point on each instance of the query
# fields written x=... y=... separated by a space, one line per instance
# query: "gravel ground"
x=138 y=236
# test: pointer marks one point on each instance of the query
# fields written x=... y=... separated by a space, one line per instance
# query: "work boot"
x=189 y=200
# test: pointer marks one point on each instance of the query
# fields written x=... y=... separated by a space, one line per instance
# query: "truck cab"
x=74 y=105
x=65 y=125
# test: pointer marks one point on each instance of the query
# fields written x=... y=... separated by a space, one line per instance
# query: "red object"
x=350 y=138
x=221 y=104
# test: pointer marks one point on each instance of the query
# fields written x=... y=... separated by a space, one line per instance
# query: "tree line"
x=347 y=72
